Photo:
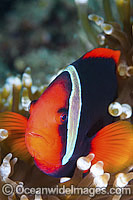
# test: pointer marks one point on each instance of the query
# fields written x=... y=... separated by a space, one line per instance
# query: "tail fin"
x=114 y=146
x=16 y=125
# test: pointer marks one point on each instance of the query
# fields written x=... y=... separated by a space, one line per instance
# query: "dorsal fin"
x=103 y=53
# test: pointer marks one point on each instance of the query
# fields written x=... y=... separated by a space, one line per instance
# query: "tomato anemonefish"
x=65 y=121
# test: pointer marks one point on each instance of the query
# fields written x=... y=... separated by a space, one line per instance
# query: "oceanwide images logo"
x=8 y=190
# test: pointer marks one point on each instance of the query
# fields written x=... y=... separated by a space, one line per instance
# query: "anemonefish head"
x=53 y=124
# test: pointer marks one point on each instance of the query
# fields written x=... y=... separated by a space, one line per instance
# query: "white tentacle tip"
x=97 y=169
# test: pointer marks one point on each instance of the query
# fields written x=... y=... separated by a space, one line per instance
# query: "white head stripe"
x=73 y=113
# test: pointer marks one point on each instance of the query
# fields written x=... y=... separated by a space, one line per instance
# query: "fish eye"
x=63 y=118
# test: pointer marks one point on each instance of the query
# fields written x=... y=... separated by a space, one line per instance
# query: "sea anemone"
x=95 y=185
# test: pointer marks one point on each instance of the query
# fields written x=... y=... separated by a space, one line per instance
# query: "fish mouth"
x=34 y=134
x=32 y=139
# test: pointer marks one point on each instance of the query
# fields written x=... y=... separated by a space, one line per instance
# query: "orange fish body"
x=45 y=132
x=65 y=121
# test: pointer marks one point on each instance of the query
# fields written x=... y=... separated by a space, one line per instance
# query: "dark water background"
x=42 y=34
